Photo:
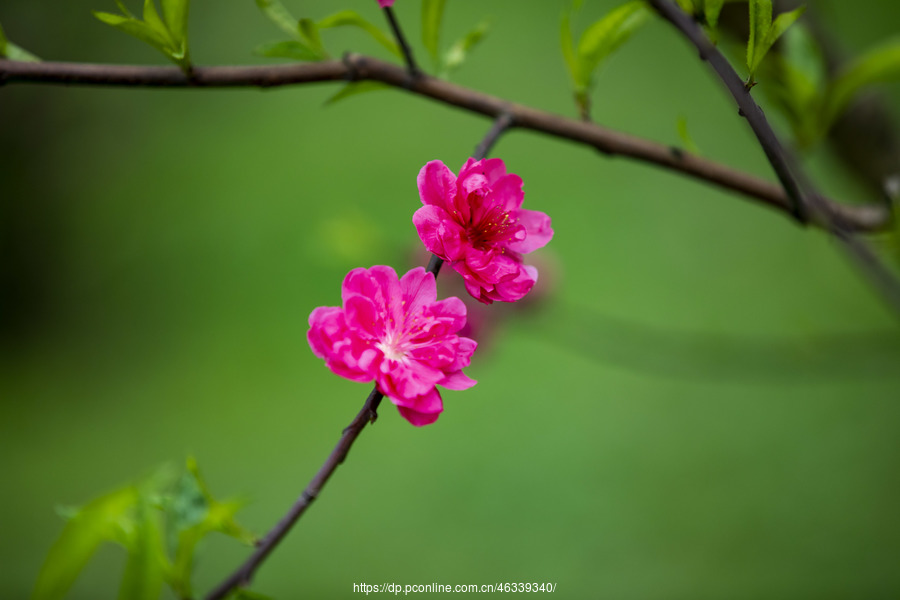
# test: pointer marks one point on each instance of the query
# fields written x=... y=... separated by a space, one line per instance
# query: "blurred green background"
x=704 y=404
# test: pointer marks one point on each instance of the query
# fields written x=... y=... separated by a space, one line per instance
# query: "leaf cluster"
x=159 y=521
x=597 y=43
x=447 y=61
x=168 y=34
x=305 y=33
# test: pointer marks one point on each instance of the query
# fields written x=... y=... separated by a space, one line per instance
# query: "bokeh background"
x=703 y=403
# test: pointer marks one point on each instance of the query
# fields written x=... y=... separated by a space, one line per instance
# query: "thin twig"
x=501 y=124
x=242 y=576
x=806 y=202
x=610 y=142
x=414 y=70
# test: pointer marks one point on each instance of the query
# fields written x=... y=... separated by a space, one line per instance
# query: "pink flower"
x=397 y=333
x=385 y=3
x=475 y=223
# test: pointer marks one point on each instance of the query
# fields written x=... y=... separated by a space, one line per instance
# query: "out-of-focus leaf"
x=568 y=49
x=781 y=24
x=685 y=136
x=353 y=19
x=356 y=88
x=293 y=49
x=686 y=5
x=711 y=11
x=458 y=52
x=432 y=15
x=879 y=64
x=281 y=16
x=144 y=570
x=175 y=14
x=12 y=52
x=103 y=519
x=795 y=82
x=309 y=33
x=608 y=34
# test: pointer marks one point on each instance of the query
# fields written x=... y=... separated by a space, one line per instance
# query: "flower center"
x=392 y=348
x=490 y=229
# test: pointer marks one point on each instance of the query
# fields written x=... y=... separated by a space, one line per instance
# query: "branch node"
x=349 y=59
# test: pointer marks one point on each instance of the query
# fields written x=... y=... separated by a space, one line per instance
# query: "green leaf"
x=356 y=88
x=711 y=11
x=432 y=15
x=135 y=28
x=292 y=49
x=568 y=49
x=458 y=52
x=103 y=519
x=685 y=136
x=795 y=84
x=607 y=35
x=880 y=64
x=781 y=24
x=353 y=19
x=14 y=52
x=764 y=33
x=278 y=14
x=687 y=6
x=152 y=19
x=760 y=22
x=143 y=577
x=309 y=33
x=175 y=14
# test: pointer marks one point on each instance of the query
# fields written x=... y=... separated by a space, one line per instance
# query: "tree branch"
x=356 y=67
x=242 y=576
x=805 y=200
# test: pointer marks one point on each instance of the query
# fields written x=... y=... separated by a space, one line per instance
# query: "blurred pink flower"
x=475 y=222
x=397 y=333
x=385 y=3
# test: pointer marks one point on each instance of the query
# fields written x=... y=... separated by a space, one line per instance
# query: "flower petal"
x=537 y=228
x=440 y=233
x=457 y=381
x=437 y=185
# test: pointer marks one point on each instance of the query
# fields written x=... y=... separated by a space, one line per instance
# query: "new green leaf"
x=353 y=19
x=281 y=16
x=432 y=15
x=168 y=34
x=145 y=568
x=879 y=64
x=607 y=35
x=764 y=33
x=104 y=519
x=458 y=52
x=12 y=52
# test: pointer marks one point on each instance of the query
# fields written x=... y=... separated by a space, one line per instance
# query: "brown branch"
x=356 y=67
x=805 y=199
x=243 y=574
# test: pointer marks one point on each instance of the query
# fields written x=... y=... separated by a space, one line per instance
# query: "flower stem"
x=411 y=65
